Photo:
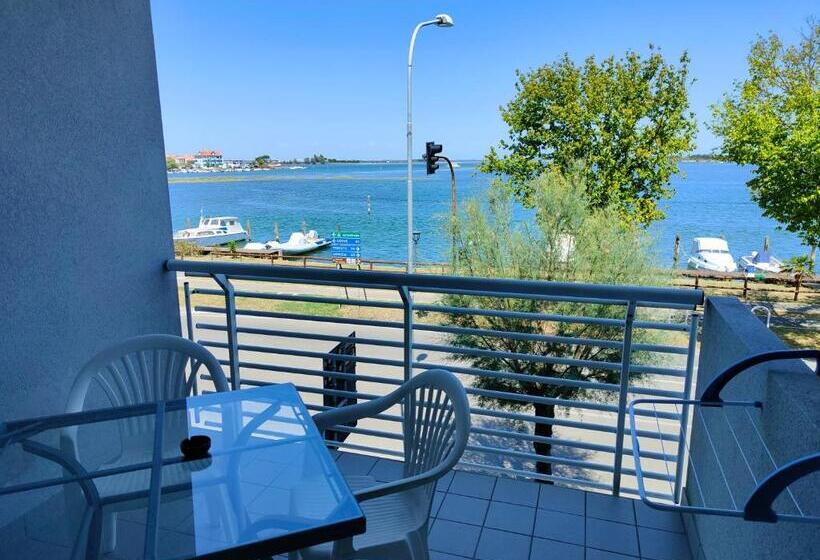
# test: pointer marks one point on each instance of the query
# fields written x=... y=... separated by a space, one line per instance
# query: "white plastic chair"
x=139 y=370
x=436 y=427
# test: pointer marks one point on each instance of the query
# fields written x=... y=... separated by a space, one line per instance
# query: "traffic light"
x=430 y=156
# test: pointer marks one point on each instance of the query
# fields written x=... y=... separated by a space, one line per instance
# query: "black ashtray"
x=195 y=447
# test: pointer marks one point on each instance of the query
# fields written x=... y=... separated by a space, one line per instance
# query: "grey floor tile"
x=444 y=482
x=559 y=526
x=520 y=492
x=435 y=555
x=657 y=519
x=611 y=508
x=558 y=498
x=453 y=538
x=438 y=497
x=510 y=517
x=463 y=509
x=663 y=545
x=543 y=549
x=386 y=470
x=355 y=464
x=595 y=554
x=473 y=484
x=501 y=545
x=612 y=536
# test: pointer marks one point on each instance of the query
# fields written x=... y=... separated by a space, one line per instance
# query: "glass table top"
x=114 y=483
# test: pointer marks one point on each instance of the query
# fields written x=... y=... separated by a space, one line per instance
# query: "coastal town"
x=208 y=160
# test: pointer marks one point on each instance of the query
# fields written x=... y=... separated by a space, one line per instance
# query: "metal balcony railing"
x=269 y=324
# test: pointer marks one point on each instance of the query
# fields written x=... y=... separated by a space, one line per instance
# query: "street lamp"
x=416 y=237
x=441 y=20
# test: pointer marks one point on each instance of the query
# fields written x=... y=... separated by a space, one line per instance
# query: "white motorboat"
x=761 y=262
x=219 y=230
x=711 y=253
x=298 y=244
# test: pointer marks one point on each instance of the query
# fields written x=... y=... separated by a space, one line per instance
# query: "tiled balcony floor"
x=494 y=518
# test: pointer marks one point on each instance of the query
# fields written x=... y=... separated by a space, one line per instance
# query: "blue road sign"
x=347 y=246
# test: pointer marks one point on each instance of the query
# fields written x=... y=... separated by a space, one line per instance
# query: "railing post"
x=622 y=395
x=230 y=324
x=189 y=325
x=407 y=300
x=680 y=468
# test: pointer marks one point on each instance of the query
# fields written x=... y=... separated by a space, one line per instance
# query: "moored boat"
x=298 y=244
x=761 y=261
x=219 y=230
x=711 y=253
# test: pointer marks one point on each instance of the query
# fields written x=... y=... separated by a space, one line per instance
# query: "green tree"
x=170 y=164
x=262 y=161
x=628 y=120
x=771 y=120
x=571 y=241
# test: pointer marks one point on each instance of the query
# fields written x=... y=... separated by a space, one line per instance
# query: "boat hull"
x=214 y=240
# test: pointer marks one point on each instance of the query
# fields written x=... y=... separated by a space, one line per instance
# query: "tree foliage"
x=570 y=241
x=262 y=161
x=771 y=120
x=628 y=120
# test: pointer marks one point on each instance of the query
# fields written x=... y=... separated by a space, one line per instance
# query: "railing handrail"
x=376 y=279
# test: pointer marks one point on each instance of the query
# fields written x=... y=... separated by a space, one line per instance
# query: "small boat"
x=711 y=253
x=219 y=230
x=761 y=262
x=298 y=244
x=297 y=167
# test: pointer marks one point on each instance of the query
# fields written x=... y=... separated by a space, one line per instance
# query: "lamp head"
x=444 y=20
x=416 y=236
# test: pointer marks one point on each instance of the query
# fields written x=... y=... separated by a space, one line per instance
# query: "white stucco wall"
x=83 y=193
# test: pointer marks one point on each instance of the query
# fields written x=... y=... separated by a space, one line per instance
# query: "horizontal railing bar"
x=527 y=315
x=507 y=415
x=316 y=373
x=518 y=295
x=448 y=349
x=303 y=353
x=304 y=298
x=568 y=340
x=305 y=336
x=660 y=326
x=559 y=460
x=421 y=281
x=305 y=317
x=507 y=471
x=568 y=403
x=523 y=377
x=559 y=442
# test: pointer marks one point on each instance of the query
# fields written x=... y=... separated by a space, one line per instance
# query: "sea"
x=710 y=200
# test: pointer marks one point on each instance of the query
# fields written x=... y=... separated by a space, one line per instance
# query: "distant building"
x=183 y=161
x=238 y=164
x=208 y=158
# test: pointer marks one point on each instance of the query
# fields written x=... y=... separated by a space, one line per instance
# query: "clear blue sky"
x=292 y=78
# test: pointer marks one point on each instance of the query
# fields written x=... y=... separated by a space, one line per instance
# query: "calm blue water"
x=710 y=199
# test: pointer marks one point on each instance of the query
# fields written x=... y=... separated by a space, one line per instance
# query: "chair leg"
x=417 y=544
x=108 y=542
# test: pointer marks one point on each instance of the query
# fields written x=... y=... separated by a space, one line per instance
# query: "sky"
x=291 y=78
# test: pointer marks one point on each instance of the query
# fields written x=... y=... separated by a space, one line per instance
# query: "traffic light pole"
x=452 y=185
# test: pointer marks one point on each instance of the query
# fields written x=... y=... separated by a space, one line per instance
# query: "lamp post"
x=441 y=20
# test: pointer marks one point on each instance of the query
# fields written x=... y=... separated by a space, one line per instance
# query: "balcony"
x=343 y=335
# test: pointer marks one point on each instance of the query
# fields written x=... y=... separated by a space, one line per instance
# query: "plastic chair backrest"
x=145 y=369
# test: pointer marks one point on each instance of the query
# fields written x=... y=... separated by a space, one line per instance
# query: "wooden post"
x=676 y=252
x=697 y=277
x=745 y=286
x=797 y=279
